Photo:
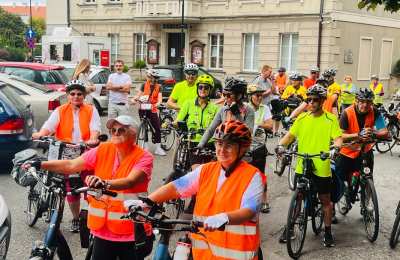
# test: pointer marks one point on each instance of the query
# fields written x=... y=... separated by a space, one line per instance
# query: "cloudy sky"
x=10 y=2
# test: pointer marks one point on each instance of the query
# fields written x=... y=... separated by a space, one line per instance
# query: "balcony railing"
x=166 y=9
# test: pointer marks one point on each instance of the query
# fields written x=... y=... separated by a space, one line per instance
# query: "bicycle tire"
x=33 y=208
x=344 y=202
x=53 y=204
x=292 y=179
x=291 y=221
x=63 y=251
x=142 y=135
x=394 y=235
x=317 y=219
x=384 y=147
x=372 y=235
x=167 y=134
x=180 y=156
x=173 y=208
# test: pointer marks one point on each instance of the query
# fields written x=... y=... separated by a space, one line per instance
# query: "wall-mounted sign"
x=105 y=58
x=348 y=56
x=197 y=52
x=152 y=51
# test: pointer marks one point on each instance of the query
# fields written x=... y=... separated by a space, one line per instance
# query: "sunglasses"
x=258 y=95
x=191 y=73
x=205 y=87
x=78 y=94
x=227 y=94
x=311 y=100
x=118 y=131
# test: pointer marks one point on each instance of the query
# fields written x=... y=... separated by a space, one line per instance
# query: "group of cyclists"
x=230 y=191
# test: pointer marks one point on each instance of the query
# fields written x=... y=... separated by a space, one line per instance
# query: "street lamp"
x=183 y=33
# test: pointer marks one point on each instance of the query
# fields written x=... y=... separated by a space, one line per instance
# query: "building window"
x=385 y=67
x=216 y=51
x=288 y=51
x=90 y=1
x=53 y=52
x=365 y=58
x=114 y=46
x=250 y=51
x=88 y=34
x=67 y=52
x=140 y=46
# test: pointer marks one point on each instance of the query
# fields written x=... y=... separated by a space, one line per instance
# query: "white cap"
x=123 y=120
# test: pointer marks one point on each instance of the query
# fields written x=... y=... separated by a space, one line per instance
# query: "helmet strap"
x=233 y=166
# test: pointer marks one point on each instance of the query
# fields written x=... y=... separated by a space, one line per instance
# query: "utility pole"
x=30 y=15
x=183 y=34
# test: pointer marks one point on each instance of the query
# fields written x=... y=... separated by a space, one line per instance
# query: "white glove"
x=128 y=204
x=216 y=221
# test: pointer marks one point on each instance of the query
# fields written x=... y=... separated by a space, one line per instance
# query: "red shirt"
x=309 y=82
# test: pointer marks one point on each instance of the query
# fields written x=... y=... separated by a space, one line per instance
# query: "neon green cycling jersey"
x=314 y=135
x=183 y=92
x=196 y=117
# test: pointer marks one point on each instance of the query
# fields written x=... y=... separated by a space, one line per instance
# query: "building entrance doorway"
x=175 y=48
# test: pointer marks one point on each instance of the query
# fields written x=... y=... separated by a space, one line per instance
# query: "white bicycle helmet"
x=191 y=67
x=75 y=84
x=314 y=69
x=152 y=73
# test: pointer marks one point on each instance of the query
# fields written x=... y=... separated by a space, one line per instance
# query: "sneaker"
x=74 y=226
x=328 y=240
x=265 y=208
x=282 y=238
x=159 y=151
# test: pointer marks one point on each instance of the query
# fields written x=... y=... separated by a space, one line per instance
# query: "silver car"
x=98 y=75
x=5 y=228
x=42 y=99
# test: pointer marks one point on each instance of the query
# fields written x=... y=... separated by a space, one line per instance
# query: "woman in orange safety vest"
x=228 y=194
x=120 y=166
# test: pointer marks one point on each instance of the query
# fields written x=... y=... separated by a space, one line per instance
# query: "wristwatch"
x=107 y=185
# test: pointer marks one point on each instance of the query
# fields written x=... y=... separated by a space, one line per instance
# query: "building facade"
x=239 y=36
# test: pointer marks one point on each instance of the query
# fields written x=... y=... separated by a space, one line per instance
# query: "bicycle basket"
x=60 y=151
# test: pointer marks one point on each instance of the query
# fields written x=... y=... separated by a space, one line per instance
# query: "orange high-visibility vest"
x=153 y=98
x=66 y=123
x=281 y=82
x=329 y=103
x=236 y=241
x=354 y=150
x=107 y=211
x=309 y=82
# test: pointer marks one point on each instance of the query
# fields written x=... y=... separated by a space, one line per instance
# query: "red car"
x=51 y=76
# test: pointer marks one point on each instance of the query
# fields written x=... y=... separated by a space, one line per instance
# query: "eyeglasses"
x=219 y=144
x=311 y=100
x=118 y=131
x=79 y=94
x=227 y=94
x=364 y=101
x=205 y=87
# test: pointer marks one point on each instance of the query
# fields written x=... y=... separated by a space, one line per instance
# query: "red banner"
x=105 y=58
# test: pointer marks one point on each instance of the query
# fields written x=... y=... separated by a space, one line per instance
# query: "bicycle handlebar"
x=322 y=155
x=93 y=191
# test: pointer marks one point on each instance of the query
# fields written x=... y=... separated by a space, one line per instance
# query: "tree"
x=39 y=26
x=389 y=5
x=140 y=64
x=12 y=29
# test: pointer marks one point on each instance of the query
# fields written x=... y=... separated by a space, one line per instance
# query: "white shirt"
x=52 y=123
x=118 y=79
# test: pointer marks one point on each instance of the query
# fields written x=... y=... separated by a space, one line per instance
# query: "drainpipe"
x=68 y=14
x=321 y=19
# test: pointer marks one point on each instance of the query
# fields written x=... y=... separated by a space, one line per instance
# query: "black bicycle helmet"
x=236 y=86
x=323 y=82
x=75 y=84
x=282 y=69
x=317 y=90
x=365 y=94
x=329 y=73
x=295 y=76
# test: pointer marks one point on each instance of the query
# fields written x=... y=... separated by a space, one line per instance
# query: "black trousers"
x=110 y=250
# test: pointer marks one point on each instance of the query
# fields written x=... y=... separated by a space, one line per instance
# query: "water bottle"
x=182 y=251
x=354 y=178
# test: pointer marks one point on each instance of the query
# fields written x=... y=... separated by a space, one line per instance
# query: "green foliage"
x=39 y=26
x=12 y=30
x=139 y=64
x=396 y=69
x=389 y=5
x=4 y=54
x=16 y=54
x=126 y=68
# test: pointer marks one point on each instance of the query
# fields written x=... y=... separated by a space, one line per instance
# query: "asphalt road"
x=351 y=241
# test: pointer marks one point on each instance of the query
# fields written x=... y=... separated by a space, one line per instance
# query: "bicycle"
x=166 y=129
x=392 y=124
x=394 y=235
x=304 y=204
x=165 y=226
x=363 y=184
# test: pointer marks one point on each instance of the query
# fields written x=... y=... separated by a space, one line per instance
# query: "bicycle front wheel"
x=317 y=219
x=167 y=133
x=174 y=208
x=291 y=176
x=296 y=225
x=63 y=252
x=32 y=211
x=370 y=210
x=344 y=203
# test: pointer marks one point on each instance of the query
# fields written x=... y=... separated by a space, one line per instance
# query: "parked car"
x=171 y=74
x=50 y=75
x=5 y=228
x=16 y=123
x=42 y=99
x=99 y=76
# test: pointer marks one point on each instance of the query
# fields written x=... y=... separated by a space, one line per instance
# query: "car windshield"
x=165 y=73
x=68 y=72
x=34 y=85
x=52 y=77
